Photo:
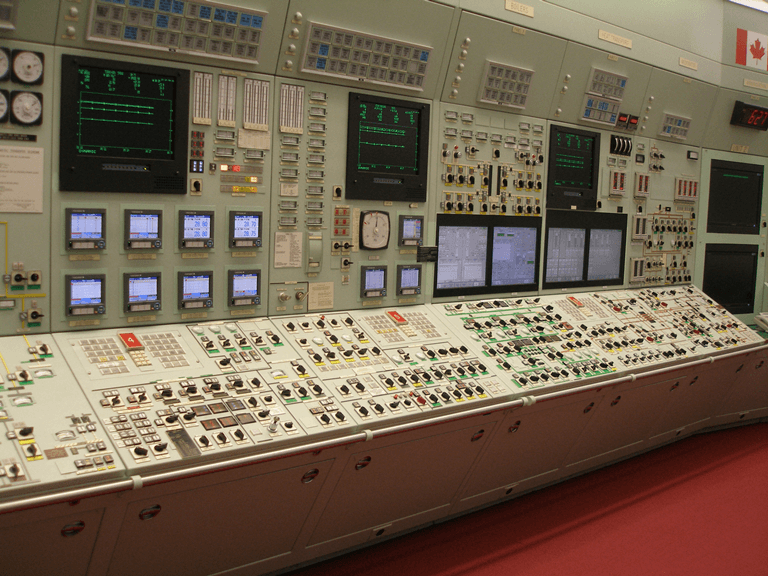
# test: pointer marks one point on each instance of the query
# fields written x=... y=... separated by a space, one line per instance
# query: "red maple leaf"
x=757 y=51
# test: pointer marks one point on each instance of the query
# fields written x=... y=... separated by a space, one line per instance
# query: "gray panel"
x=74 y=31
x=575 y=74
x=661 y=21
x=491 y=40
x=721 y=135
x=673 y=94
x=400 y=21
x=35 y=22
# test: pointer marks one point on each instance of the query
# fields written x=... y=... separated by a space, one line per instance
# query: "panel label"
x=519 y=8
x=685 y=63
x=615 y=39
x=755 y=84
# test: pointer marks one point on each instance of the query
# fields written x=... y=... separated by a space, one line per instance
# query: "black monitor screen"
x=573 y=168
x=123 y=126
x=513 y=255
x=387 y=149
x=730 y=276
x=735 y=198
x=486 y=254
x=584 y=249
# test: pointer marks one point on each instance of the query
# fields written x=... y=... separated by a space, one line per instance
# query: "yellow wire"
x=4 y=364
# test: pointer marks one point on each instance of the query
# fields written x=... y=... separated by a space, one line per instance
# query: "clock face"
x=374 y=230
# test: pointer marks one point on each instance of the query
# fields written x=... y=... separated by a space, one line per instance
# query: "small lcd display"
x=86 y=225
x=195 y=287
x=195 y=229
x=86 y=291
x=86 y=228
x=197 y=226
x=409 y=279
x=411 y=230
x=374 y=281
x=141 y=291
x=85 y=294
x=245 y=229
x=244 y=287
x=144 y=226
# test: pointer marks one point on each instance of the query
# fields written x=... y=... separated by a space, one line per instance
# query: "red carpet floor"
x=697 y=507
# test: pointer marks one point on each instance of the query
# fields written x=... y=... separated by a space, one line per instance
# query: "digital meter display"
x=143 y=229
x=195 y=229
x=749 y=116
x=245 y=229
x=141 y=292
x=195 y=289
x=244 y=287
x=85 y=228
x=85 y=294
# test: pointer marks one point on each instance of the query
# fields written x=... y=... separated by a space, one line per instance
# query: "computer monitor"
x=584 y=249
x=486 y=254
x=730 y=276
x=387 y=149
x=124 y=127
x=735 y=197
x=572 y=178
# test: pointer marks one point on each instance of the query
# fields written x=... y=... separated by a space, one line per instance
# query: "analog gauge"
x=26 y=108
x=374 y=230
x=4 y=106
x=27 y=67
x=5 y=63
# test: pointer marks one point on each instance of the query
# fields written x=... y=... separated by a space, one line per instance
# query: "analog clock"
x=374 y=230
x=27 y=67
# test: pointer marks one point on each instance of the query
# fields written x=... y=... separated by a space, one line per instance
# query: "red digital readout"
x=758 y=117
x=235 y=168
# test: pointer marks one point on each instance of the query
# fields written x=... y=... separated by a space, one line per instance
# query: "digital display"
x=461 y=257
x=197 y=226
x=84 y=291
x=86 y=225
x=409 y=279
x=195 y=287
x=124 y=113
x=584 y=249
x=144 y=226
x=513 y=256
x=749 y=116
x=387 y=144
x=125 y=127
x=374 y=279
x=735 y=198
x=486 y=254
x=244 y=287
x=411 y=230
x=245 y=229
x=141 y=292
x=604 y=254
x=573 y=168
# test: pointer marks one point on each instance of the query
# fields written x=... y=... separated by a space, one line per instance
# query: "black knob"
x=188 y=416
x=204 y=441
x=140 y=451
x=160 y=447
x=239 y=434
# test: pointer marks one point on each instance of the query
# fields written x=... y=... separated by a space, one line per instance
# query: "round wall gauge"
x=4 y=106
x=27 y=67
x=26 y=108
x=374 y=230
x=5 y=63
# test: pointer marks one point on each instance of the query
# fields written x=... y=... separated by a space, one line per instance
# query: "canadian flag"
x=751 y=49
